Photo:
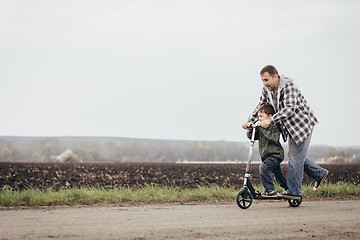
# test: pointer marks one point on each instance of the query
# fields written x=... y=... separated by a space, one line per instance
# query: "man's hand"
x=246 y=125
x=265 y=124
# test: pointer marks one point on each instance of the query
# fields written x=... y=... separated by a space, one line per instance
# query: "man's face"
x=270 y=82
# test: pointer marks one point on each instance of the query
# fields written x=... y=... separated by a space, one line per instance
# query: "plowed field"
x=27 y=175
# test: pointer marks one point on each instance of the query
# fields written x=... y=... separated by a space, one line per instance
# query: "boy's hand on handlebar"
x=264 y=124
x=246 y=125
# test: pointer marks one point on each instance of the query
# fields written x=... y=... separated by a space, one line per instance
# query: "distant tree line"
x=94 y=149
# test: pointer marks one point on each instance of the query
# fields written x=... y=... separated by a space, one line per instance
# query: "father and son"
x=283 y=110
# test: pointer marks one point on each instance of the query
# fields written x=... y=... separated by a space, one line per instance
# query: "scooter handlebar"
x=254 y=125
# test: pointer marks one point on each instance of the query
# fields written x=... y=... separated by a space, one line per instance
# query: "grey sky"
x=173 y=69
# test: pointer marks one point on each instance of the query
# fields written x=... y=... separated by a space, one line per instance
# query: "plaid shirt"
x=294 y=117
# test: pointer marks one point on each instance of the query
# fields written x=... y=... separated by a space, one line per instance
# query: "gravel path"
x=330 y=219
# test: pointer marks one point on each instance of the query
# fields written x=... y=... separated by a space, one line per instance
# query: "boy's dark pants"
x=272 y=164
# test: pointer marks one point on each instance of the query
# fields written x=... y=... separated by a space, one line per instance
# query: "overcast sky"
x=167 y=69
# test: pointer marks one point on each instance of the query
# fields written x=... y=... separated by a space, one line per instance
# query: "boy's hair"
x=267 y=109
x=269 y=69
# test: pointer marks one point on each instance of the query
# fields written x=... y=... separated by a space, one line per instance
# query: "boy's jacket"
x=269 y=144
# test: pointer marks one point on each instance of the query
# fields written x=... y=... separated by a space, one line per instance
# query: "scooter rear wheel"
x=244 y=199
x=295 y=202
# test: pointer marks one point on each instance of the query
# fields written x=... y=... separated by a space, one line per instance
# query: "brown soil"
x=26 y=175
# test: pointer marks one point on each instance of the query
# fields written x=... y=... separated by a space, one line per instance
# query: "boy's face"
x=263 y=116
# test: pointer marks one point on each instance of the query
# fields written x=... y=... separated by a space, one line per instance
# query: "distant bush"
x=68 y=156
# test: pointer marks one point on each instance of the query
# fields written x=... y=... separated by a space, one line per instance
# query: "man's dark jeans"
x=299 y=163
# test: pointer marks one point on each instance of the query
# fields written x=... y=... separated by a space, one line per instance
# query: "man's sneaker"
x=288 y=195
x=321 y=181
x=269 y=194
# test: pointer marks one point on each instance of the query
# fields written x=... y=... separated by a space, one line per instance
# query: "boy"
x=271 y=152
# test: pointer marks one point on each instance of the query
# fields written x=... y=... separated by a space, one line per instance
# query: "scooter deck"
x=291 y=197
x=278 y=197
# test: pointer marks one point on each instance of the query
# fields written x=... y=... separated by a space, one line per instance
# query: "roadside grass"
x=148 y=194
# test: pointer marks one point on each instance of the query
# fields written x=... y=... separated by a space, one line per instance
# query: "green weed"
x=149 y=193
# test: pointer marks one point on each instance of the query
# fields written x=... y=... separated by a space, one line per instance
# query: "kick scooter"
x=245 y=197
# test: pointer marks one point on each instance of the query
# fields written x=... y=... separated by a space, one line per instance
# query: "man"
x=296 y=121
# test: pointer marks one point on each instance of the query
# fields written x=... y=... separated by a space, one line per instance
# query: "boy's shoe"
x=321 y=181
x=272 y=193
x=288 y=195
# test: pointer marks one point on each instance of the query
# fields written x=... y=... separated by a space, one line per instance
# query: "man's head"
x=265 y=111
x=270 y=77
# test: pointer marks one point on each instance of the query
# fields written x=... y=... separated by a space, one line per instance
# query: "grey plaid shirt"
x=294 y=117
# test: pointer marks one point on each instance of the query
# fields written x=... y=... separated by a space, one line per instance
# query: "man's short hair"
x=270 y=69
x=267 y=108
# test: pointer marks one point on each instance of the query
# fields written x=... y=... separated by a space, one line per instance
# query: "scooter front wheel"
x=244 y=199
x=295 y=202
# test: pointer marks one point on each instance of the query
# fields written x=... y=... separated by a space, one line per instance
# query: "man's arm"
x=263 y=99
x=291 y=92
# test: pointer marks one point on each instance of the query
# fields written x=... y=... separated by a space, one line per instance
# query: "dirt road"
x=331 y=219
